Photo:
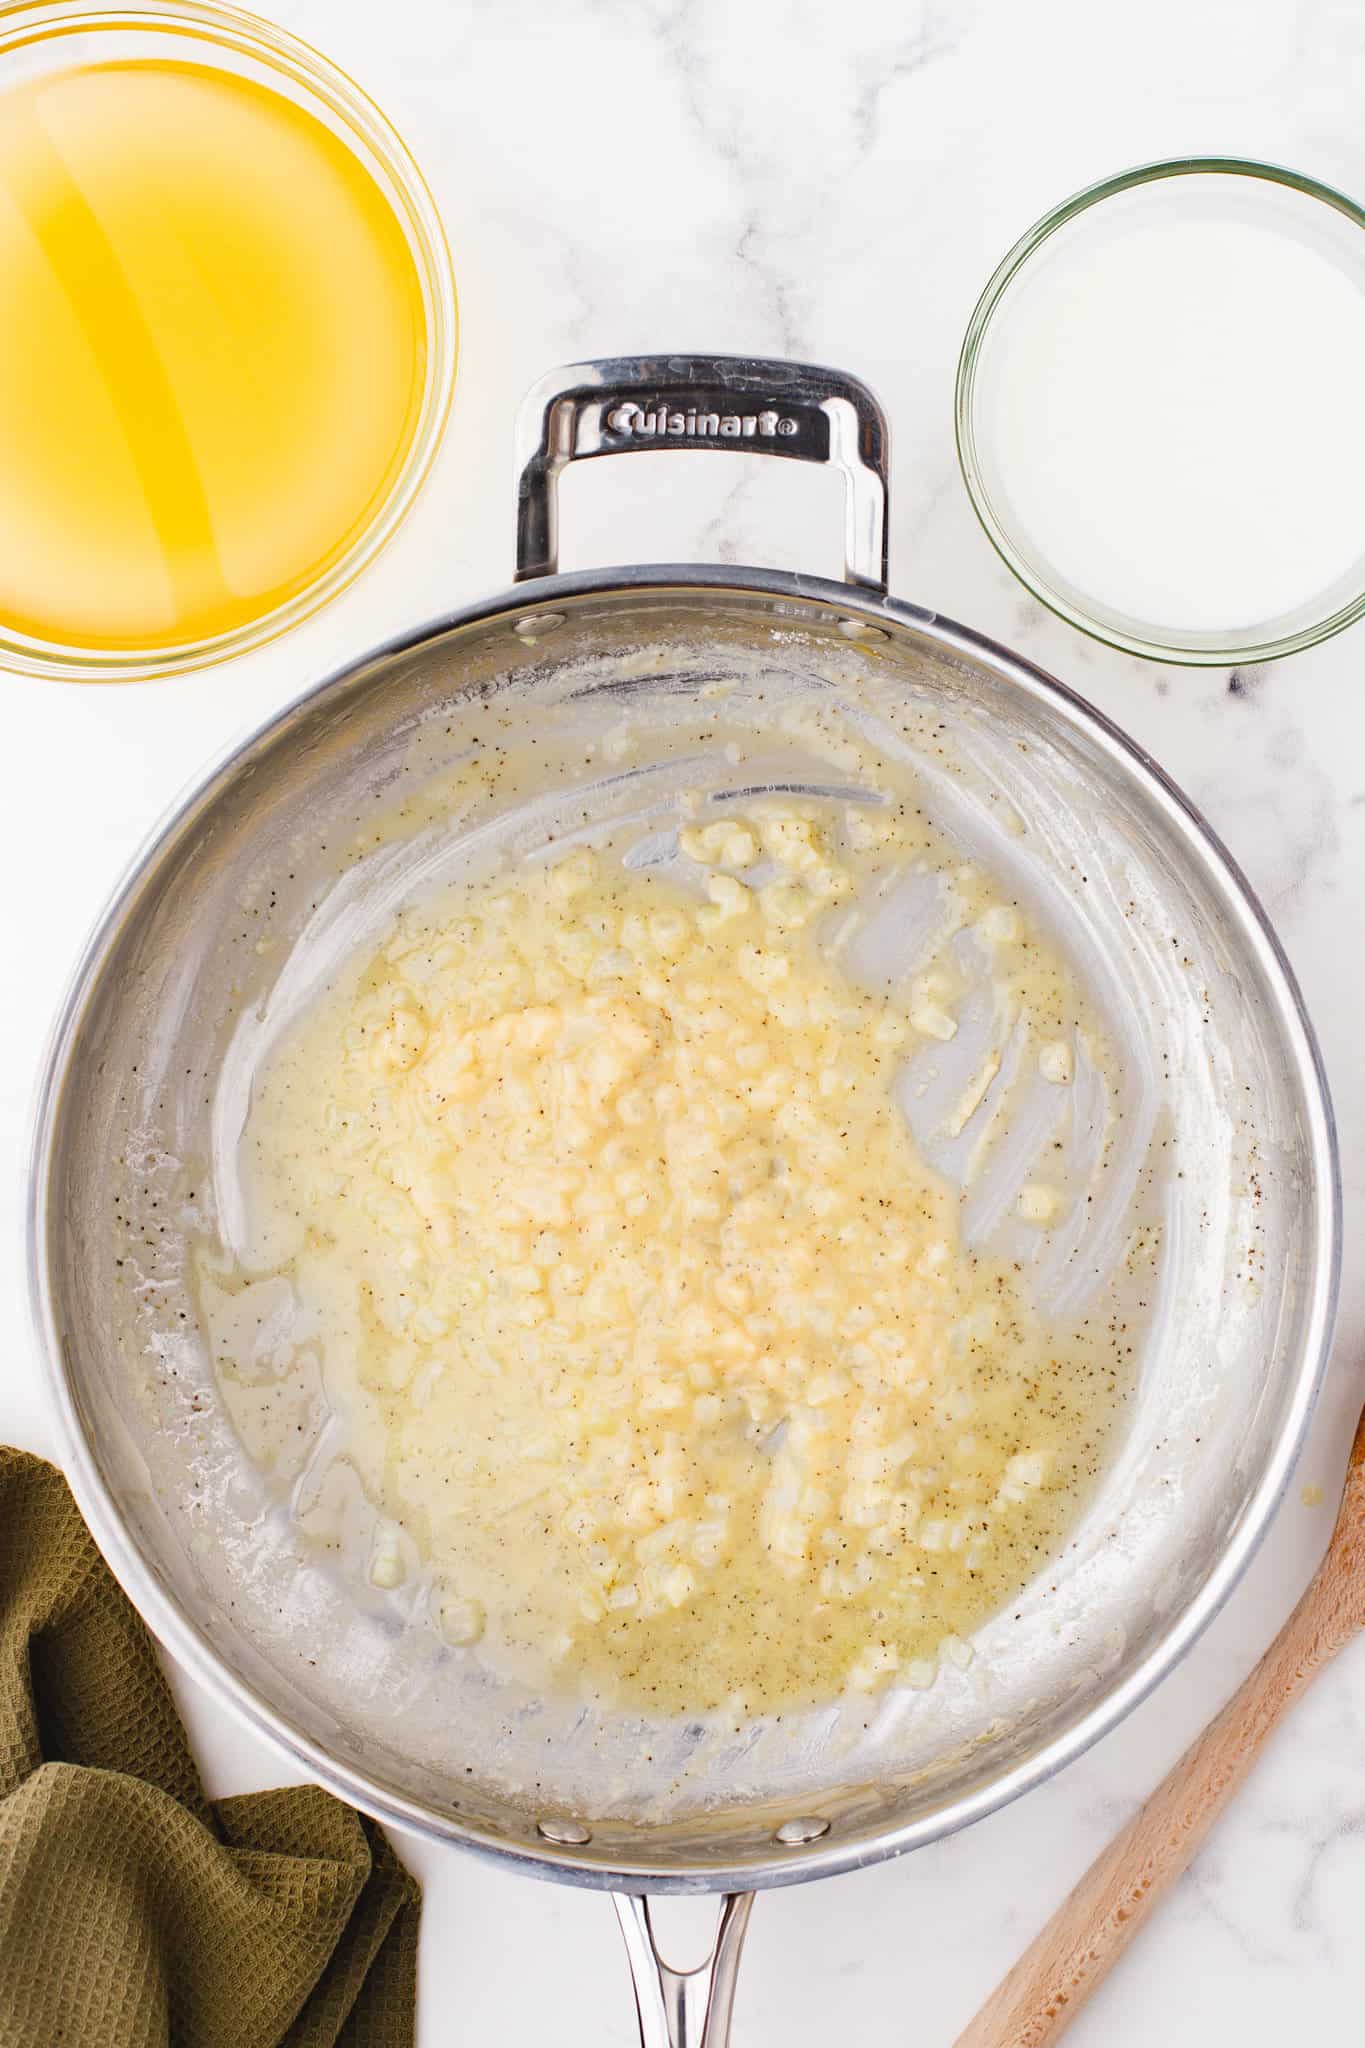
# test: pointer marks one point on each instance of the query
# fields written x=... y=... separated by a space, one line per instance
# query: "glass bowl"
x=57 y=35
x=998 y=370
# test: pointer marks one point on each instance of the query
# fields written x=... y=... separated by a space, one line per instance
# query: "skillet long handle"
x=1056 y=1975
x=683 y=2008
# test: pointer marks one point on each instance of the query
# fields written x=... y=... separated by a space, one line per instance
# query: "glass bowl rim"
x=212 y=27
x=1004 y=274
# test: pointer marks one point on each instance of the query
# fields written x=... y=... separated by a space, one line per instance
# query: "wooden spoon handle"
x=1088 y=1933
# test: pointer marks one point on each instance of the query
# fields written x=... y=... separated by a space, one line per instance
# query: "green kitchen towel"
x=134 y=1912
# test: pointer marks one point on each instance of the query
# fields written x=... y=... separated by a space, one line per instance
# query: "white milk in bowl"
x=1162 y=412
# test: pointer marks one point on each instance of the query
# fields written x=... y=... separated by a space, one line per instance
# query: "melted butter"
x=648 y=1326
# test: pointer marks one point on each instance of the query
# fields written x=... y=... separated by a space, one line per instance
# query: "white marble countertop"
x=776 y=176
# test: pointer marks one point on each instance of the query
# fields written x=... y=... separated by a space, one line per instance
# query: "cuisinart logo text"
x=632 y=420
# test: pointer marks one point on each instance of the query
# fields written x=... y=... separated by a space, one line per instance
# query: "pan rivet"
x=536 y=624
x=858 y=629
x=808 y=1829
x=571 y=1834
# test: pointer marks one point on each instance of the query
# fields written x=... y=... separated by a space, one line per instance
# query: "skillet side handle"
x=630 y=405
x=683 y=2008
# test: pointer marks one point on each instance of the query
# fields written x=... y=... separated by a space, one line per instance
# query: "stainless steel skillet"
x=268 y=868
